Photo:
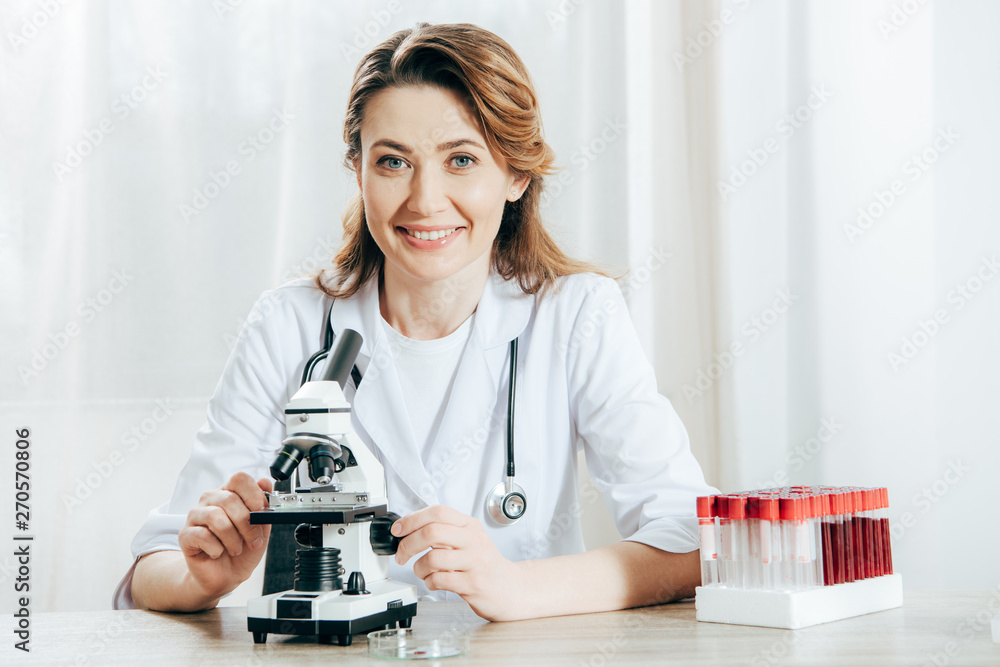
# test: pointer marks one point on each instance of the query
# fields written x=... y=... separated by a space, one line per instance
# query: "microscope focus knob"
x=309 y=535
x=355 y=584
x=384 y=543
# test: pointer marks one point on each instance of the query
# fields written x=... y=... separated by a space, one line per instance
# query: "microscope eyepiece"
x=285 y=462
x=342 y=356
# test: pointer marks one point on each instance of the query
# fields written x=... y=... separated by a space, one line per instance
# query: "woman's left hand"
x=462 y=559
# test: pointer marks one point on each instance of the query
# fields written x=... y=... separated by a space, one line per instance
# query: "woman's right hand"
x=220 y=546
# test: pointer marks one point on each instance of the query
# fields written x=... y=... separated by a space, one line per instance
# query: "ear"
x=518 y=186
x=357 y=171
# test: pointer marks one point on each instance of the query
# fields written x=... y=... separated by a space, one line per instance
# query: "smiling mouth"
x=430 y=236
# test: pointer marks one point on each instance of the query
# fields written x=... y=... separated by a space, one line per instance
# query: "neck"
x=427 y=310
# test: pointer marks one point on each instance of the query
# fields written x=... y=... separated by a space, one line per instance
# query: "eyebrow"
x=447 y=146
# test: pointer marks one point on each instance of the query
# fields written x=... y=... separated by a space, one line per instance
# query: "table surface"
x=930 y=628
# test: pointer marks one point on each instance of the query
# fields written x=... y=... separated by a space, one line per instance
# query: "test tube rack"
x=795 y=557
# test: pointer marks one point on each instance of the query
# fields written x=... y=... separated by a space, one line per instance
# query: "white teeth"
x=431 y=236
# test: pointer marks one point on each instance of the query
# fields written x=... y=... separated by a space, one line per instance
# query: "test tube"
x=790 y=510
x=706 y=528
x=770 y=543
x=810 y=520
x=726 y=577
x=829 y=578
x=857 y=530
x=839 y=555
x=876 y=535
x=753 y=574
x=886 y=534
x=816 y=533
x=848 y=516
x=737 y=518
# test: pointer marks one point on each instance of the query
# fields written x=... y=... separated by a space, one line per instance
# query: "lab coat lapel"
x=470 y=406
x=381 y=409
x=379 y=404
x=502 y=315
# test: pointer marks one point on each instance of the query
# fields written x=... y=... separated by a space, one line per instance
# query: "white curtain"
x=876 y=216
x=165 y=162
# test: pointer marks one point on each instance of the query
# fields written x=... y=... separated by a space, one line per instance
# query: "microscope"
x=343 y=526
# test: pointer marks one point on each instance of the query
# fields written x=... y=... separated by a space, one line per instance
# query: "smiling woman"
x=449 y=276
x=433 y=209
x=481 y=104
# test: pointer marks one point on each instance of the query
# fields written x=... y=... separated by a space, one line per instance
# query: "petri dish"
x=417 y=644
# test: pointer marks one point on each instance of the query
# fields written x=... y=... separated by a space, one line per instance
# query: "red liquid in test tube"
x=886 y=534
x=857 y=521
x=868 y=546
x=847 y=533
x=876 y=530
x=840 y=544
x=829 y=577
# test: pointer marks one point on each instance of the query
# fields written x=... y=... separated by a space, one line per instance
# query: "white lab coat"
x=583 y=382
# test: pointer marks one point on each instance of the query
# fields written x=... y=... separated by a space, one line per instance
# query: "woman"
x=445 y=262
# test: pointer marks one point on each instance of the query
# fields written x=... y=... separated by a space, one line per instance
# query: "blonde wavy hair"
x=486 y=71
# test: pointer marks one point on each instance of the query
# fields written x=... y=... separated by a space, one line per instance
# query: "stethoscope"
x=506 y=502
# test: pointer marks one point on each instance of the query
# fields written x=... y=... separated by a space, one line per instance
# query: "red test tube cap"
x=704 y=504
x=737 y=507
x=769 y=509
x=817 y=508
x=722 y=507
x=790 y=509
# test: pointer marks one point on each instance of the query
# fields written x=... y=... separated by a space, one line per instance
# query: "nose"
x=427 y=193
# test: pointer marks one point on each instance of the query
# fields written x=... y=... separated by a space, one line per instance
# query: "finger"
x=237 y=512
x=432 y=514
x=434 y=535
x=248 y=489
x=267 y=486
x=215 y=519
x=198 y=539
x=441 y=560
x=455 y=582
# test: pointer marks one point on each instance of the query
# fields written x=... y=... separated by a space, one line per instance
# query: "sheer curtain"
x=165 y=163
x=875 y=216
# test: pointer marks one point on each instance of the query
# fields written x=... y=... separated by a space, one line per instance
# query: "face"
x=433 y=192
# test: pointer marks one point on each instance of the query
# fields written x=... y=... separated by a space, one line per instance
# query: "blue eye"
x=393 y=162
x=463 y=161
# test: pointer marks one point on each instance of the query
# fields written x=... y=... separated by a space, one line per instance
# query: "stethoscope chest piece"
x=506 y=503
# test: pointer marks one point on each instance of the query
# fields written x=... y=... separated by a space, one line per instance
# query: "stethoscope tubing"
x=356 y=376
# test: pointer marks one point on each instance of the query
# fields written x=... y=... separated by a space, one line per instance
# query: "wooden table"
x=943 y=625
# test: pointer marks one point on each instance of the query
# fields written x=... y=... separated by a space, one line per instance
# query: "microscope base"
x=332 y=615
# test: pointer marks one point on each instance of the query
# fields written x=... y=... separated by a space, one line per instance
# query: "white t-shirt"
x=427 y=370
